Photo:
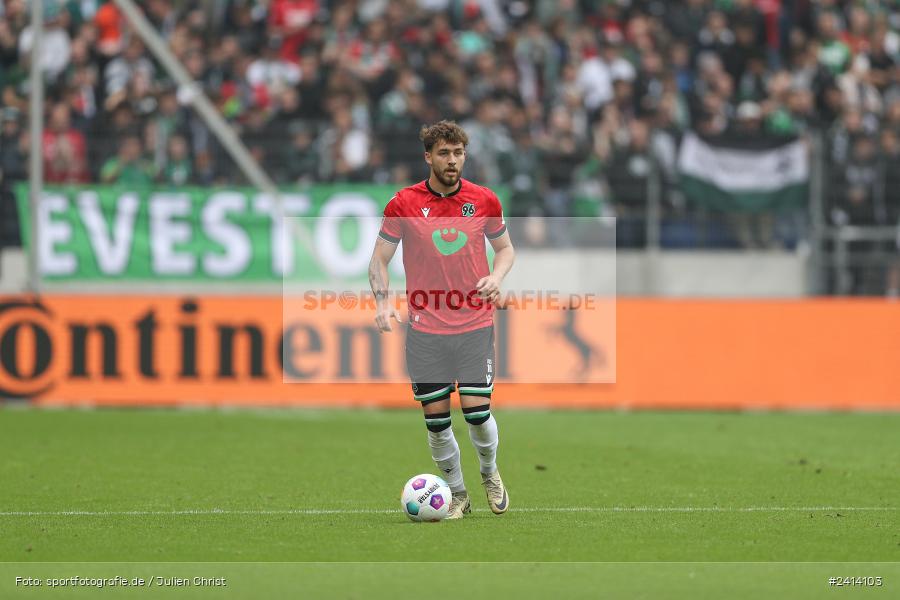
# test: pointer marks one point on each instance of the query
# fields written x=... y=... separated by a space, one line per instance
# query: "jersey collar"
x=453 y=193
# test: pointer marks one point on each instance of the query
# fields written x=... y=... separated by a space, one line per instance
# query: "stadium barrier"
x=218 y=351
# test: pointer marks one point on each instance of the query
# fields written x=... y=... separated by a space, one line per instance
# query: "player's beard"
x=448 y=179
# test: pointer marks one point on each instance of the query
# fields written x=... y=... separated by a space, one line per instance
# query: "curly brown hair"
x=447 y=131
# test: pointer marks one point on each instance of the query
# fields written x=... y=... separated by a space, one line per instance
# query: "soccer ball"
x=426 y=498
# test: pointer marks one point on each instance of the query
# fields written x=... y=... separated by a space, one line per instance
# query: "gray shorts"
x=437 y=361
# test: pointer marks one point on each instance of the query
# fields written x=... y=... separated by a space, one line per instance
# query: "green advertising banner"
x=98 y=233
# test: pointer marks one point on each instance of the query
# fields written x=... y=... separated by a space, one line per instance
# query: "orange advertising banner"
x=256 y=351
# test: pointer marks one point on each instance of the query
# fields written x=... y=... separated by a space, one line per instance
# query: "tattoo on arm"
x=378 y=279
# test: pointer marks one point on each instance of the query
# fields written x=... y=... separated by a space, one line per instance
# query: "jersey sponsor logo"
x=468 y=209
x=445 y=246
x=425 y=210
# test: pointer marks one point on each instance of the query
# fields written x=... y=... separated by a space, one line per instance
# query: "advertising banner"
x=112 y=234
x=217 y=351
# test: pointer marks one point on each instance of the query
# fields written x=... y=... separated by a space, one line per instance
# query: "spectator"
x=290 y=21
x=777 y=89
x=120 y=71
x=370 y=59
x=11 y=26
x=108 y=131
x=801 y=112
x=889 y=159
x=522 y=173
x=752 y=229
x=851 y=126
x=343 y=147
x=537 y=60
x=744 y=55
x=650 y=83
x=270 y=74
x=220 y=68
x=109 y=22
x=302 y=157
x=746 y=13
x=393 y=108
x=82 y=79
x=178 y=170
x=169 y=119
x=204 y=169
x=685 y=19
x=488 y=142
x=681 y=68
x=340 y=34
x=861 y=202
x=13 y=160
x=128 y=167
x=859 y=27
x=312 y=87
x=668 y=122
x=376 y=170
x=630 y=169
x=474 y=39
x=890 y=178
x=257 y=133
x=882 y=64
x=561 y=155
x=715 y=36
x=834 y=53
x=597 y=74
x=64 y=149
x=57 y=44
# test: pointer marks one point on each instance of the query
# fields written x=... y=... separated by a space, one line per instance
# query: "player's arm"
x=379 y=280
x=504 y=256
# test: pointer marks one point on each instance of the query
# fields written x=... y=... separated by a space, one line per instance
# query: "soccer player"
x=443 y=222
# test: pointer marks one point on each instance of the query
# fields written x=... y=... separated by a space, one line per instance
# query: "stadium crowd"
x=573 y=105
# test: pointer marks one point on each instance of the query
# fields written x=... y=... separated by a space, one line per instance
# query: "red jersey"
x=444 y=253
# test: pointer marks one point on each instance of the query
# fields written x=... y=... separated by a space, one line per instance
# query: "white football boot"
x=497 y=497
x=459 y=505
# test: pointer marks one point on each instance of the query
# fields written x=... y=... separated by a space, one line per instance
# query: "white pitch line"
x=350 y=511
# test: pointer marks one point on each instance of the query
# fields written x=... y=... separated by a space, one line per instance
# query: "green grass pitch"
x=654 y=505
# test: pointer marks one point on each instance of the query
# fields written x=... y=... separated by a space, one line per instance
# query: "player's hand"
x=383 y=315
x=488 y=288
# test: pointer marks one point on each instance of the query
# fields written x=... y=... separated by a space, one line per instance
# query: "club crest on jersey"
x=468 y=209
x=425 y=211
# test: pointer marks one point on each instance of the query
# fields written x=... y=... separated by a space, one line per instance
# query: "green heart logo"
x=448 y=247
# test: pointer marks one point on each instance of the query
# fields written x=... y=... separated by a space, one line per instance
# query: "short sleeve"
x=495 y=224
x=392 y=224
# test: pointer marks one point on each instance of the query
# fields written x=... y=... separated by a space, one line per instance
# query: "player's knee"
x=437 y=422
x=476 y=415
